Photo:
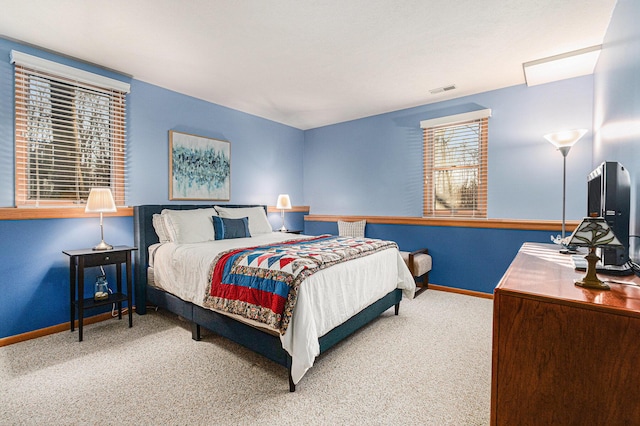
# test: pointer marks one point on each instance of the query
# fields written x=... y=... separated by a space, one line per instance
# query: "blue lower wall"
x=35 y=272
x=466 y=258
x=293 y=221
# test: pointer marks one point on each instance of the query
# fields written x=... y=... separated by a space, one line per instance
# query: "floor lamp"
x=564 y=141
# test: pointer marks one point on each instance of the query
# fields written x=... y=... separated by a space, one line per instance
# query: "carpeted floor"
x=431 y=365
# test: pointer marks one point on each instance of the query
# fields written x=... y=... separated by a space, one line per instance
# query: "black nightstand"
x=85 y=258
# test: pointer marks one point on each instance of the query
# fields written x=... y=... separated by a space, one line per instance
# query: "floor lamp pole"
x=565 y=151
x=564 y=141
x=564 y=191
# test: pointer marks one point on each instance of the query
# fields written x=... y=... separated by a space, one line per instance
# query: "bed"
x=323 y=314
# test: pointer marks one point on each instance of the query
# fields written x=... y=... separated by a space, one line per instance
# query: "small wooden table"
x=85 y=258
x=563 y=354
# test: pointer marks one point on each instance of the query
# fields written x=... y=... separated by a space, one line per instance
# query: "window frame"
x=76 y=83
x=429 y=191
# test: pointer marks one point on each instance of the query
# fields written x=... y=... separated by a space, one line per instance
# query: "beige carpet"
x=431 y=365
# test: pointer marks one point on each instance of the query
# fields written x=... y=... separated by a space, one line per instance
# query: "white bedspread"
x=325 y=300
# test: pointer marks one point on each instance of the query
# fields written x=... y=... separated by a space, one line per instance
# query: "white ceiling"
x=310 y=63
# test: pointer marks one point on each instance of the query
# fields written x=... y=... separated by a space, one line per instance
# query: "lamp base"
x=594 y=285
x=283 y=229
x=591 y=280
x=103 y=246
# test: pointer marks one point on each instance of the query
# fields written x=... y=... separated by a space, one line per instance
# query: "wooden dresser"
x=562 y=354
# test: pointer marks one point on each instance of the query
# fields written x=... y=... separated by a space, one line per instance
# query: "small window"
x=69 y=135
x=455 y=165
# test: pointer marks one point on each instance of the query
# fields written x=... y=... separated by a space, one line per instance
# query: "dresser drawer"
x=108 y=258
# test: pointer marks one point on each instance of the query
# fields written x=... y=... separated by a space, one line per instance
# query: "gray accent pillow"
x=351 y=229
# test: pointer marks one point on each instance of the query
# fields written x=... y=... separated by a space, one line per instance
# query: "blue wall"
x=266 y=157
x=7 y=115
x=468 y=258
x=35 y=272
x=373 y=166
x=617 y=102
x=266 y=160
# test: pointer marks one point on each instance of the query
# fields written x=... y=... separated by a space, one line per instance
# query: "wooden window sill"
x=20 y=213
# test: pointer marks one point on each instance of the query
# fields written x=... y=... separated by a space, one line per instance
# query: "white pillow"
x=161 y=228
x=190 y=226
x=258 y=222
x=351 y=229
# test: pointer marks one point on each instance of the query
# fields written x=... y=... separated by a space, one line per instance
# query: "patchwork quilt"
x=261 y=283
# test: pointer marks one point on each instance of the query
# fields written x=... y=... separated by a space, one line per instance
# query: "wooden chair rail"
x=13 y=213
x=524 y=224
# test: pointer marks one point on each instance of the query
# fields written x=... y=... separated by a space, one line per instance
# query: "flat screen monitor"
x=609 y=196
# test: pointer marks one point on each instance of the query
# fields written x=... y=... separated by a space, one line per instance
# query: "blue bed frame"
x=259 y=341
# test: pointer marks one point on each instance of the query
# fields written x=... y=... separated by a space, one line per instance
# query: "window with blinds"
x=69 y=135
x=455 y=165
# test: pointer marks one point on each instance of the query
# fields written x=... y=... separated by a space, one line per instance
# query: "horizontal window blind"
x=455 y=169
x=70 y=137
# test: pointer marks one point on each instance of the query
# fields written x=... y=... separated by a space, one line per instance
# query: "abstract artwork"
x=199 y=168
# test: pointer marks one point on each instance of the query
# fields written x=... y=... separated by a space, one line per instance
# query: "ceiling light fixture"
x=559 y=67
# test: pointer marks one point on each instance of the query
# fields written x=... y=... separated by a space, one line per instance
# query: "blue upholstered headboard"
x=144 y=235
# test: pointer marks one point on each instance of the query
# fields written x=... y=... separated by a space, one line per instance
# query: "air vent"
x=442 y=89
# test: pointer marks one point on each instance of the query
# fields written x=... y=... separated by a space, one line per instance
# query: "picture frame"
x=199 y=168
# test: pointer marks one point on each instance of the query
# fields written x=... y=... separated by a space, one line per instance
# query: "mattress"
x=325 y=300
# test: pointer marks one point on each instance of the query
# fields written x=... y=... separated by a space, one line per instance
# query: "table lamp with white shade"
x=284 y=203
x=101 y=201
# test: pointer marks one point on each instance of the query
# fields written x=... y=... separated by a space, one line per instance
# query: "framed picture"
x=199 y=168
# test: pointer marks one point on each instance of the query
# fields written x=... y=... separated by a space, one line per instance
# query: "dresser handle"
x=106 y=258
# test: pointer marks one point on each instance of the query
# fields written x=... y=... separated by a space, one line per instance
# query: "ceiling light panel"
x=567 y=65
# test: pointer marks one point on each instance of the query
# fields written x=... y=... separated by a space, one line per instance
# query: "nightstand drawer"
x=107 y=258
